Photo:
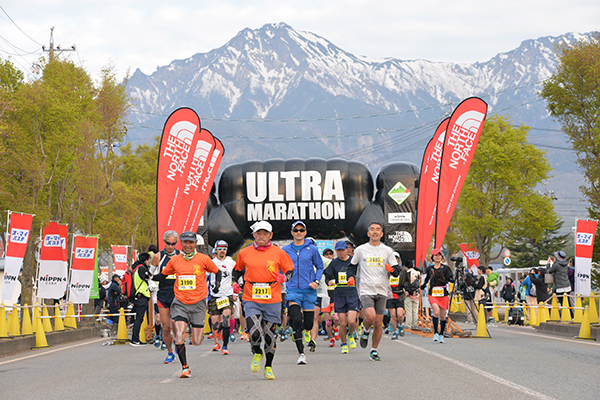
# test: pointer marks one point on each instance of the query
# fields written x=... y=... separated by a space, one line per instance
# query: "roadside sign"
x=507 y=261
x=506 y=253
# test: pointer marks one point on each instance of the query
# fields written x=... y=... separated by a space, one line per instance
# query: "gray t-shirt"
x=373 y=278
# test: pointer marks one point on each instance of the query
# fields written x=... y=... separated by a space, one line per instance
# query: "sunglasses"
x=171 y=243
x=299 y=230
x=221 y=248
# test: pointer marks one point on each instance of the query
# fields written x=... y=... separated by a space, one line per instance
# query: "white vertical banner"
x=82 y=268
x=584 y=249
x=52 y=276
x=16 y=246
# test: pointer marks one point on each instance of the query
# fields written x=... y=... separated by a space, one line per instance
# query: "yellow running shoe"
x=269 y=374
x=344 y=349
x=255 y=366
x=352 y=342
x=307 y=336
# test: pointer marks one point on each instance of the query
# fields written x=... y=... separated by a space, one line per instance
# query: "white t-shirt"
x=373 y=278
x=226 y=267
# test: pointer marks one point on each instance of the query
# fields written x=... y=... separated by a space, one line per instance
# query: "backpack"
x=127 y=288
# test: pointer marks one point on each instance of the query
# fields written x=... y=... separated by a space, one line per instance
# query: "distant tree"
x=499 y=203
x=573 y=96
x=527 y=252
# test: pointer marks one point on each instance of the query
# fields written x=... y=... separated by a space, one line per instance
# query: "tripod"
x=459 y=282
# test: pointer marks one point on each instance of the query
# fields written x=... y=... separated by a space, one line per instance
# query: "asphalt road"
x=516 y=364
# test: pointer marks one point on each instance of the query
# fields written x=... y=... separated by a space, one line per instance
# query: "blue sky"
x=145 y=34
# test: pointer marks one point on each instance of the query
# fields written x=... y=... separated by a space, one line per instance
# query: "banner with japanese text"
x=584 y=249
x=471 y=254
x=82 y=268
x=120 y=259
x=16 y=245
x=52 y=274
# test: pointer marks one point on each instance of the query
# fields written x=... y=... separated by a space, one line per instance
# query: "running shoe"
x=137 y=344
x=441 y=338
x=210 y=335
x=394 y=335
x=225 y=351
x=401 y=331
x=386 y=330
x=170 y=358
x=302 y=359
x=232 y=338
x=185 y=373
x=332 y=342
x=436 y=337
x=283 y=337
x=163 y=346
x=216 y=347
x=312 y=346
x=255 y=366
x=374 y=355
x=364 y=339
x=336 y=333
x=306 y=336
x=157 y=342
x=269 y=374
x=352 y=342
x=344 y=349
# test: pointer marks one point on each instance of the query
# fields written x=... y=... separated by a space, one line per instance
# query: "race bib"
x=437 y=291
x=374 y=261
x=394 y=281
x=222 y=303
x=187 y=282
x=261 y=291
x=342 y=278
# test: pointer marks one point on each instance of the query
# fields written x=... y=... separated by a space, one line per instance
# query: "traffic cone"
x=143 y=329
x=14 y=329
x=36 y=313
x=508 y=307
x=542 y=311
x=461 y=306
x=533 y=316
x=27 y=327
x=482 y=332
x=554 y=313
x=70 y=321
x=40 y=335
x=495 y=313
x=526 y=311
x=578 y=314
x=122 y=337
x=3 y=323
x=585 y=330
x=593 y=311
x=46 y=321
x=565 y=315
x=59 y=325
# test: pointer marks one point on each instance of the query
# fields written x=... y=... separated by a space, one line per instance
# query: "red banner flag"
x=16 y=246
x=120 y=259
x=584 y=250
x=428 y=188
x=471 y=254
x=188 y=161
x=82 y=268
x=462 y=136
x=52 y=276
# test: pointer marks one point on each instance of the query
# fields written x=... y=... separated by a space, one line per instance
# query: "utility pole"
x=51 y=50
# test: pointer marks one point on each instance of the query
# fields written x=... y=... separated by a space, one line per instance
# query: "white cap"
x=262 y=225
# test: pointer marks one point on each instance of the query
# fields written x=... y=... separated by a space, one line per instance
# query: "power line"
x=15 y=24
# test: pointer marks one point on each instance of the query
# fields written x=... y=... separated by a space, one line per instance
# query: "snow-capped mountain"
x=277 y=92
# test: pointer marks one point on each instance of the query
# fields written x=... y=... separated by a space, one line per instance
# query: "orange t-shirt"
x=190 y=281
x=262 y=267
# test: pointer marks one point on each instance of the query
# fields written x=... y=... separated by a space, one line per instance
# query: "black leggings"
x=257 y=329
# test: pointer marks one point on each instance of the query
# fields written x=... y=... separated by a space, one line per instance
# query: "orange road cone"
x=482 y=332
x=122 y=337
x=59 y=326
x=3 y=323
x=593 y=311
x=27 y=327
x=36 y=313
x=585 y=330
x=40 y=335
x=578 y=314
x=14 y=329
x=70 y=321
x=555 y=312
x=533 y=321
x=46 y=321
x=565 y=315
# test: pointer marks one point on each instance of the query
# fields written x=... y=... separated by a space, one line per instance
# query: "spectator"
x=99 y=302
x=469 y=296
x=141 y=274
x=492 y=279
x=508 y=291
x=328 y=253
x=560 y=270
x=113 y=297
x=541 y=287
x=481 y=285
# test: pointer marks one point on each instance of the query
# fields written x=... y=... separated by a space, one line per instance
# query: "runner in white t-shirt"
x=373 y=263
x=221 y=303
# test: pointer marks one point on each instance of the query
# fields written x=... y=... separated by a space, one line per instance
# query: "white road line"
x=478 y=371
x=592 y=342
x=52 y=351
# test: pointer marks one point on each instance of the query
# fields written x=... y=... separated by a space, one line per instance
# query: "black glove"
x=423 y=287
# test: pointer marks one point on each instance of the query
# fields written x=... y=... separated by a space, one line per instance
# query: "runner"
x=166 y=293
x=345 y=297
x=221 y=303
x=395 y=304
x=263 y=266
x=374 y=262
x=302 y=287
x=439 y=275
x=189 y=305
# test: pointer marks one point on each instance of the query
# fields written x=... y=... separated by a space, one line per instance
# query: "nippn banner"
x=120 y=259
x=18 y=237
x=82 y=268
x=52 y=275
x=584 y=249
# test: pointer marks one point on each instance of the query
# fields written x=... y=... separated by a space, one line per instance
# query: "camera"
x=456 y=259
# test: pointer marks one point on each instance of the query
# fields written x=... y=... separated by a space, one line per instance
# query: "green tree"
x=527 y=252
x=573 y=96
x=499 y=203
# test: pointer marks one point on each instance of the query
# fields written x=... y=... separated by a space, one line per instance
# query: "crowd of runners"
x=293 y=292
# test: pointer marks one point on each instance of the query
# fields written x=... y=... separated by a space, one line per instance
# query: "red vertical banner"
x=471 y=254
x=428 y=188
x=52 y=276
x=584 y=250
x=120 y=259
x=82 y=268
x=462 y=137
x=16 y=246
